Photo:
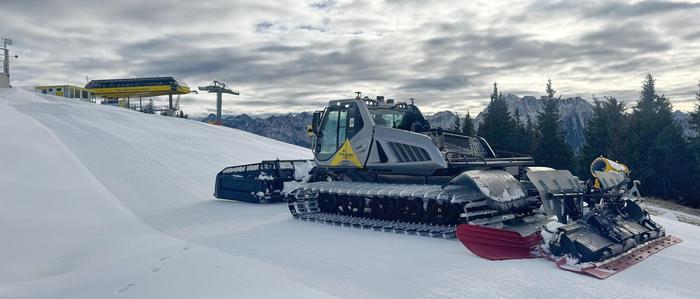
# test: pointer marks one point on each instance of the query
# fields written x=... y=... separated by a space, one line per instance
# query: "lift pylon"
x=218 y=88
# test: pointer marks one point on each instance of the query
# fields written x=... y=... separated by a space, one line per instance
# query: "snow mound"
x=100 y=202
x=670 y=215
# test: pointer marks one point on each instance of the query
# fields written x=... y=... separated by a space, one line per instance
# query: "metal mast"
x=219 y=88
x=5 y=73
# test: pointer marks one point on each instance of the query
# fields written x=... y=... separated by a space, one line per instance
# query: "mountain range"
x=573 y=112
x=291 y=128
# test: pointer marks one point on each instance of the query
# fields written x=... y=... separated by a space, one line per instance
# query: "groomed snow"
x=99 y=202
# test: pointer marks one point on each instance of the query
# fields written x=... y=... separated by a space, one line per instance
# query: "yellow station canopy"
x=137 y=87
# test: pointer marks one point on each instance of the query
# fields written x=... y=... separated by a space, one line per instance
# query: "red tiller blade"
x=498 y=244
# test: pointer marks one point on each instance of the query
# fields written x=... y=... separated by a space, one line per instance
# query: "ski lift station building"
x=137 y=87
x=119 y=91
x=67 y=91
x=115 y=89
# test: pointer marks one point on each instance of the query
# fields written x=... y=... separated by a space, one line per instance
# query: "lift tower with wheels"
x=219 y=88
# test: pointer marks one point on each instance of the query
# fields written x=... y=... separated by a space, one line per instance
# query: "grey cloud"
x=311 y=28
x=262 y=26
x=279 y=49
x=326 y=4
x=303 y=66
x=642 y=8
x=616 y=47
x=692 y=36
x=688 y=100
x=445 y=83
x=634 y=65
x=135 y=13
x=629 y=36
x=615 y=8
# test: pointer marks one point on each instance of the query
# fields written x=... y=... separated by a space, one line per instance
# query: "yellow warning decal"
x=344 y=155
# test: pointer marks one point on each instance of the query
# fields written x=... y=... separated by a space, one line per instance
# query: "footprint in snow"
x=162 y=259
x=128 y=286
x=186 y=248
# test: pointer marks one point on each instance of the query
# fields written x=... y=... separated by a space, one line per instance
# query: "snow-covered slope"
x=102 y=202
x=70 y=174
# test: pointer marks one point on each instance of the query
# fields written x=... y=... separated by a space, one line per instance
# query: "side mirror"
x=316 y=122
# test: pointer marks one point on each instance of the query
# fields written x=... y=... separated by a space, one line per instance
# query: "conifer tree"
x=523 y=138
x=604 y=133
x=549 y=90
x=533 y=135
x=455 y=126
x=694 y=123
x=468 y=125
x=498 y=127
x=658 y=155
x=551 y=149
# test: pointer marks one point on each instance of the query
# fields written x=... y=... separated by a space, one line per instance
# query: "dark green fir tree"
x=468 y=125
x=604 y=133
x=498 y=126
x=551 y=149
x=656 y=151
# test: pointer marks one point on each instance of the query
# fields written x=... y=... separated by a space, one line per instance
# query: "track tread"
x=418 y=229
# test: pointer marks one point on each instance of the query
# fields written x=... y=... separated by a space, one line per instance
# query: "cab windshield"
x=409 y=119
x=387 y=117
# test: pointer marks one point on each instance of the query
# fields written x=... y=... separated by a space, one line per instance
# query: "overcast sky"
x=287 y=56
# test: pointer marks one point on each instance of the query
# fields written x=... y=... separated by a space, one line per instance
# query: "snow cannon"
x=606 y=165
x=603 y=168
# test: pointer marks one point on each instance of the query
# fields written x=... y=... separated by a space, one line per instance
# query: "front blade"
x=498 y=244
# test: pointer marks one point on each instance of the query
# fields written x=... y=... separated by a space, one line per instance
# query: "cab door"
x=341 y=140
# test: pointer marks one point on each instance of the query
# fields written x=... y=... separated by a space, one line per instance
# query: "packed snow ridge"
x=101 y=202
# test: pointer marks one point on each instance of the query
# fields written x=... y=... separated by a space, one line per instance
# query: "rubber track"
x=418 y=229
x=308 y=210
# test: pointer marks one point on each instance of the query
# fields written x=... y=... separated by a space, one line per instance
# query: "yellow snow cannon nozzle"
x=603 y=164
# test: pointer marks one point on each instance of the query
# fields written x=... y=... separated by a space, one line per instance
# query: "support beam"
x=218 y=108
x=170 y=112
